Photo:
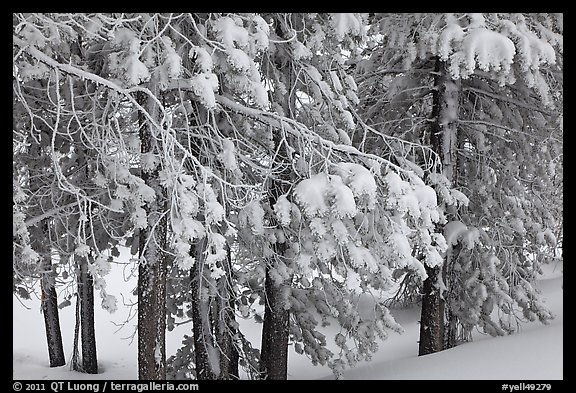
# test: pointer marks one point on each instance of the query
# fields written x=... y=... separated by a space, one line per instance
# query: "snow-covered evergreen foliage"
x=124 y=122
x=509 y=147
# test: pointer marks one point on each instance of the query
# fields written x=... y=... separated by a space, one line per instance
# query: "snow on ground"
x=535 y=353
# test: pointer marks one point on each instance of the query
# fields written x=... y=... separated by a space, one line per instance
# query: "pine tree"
x=152 y=262
x=503 y=63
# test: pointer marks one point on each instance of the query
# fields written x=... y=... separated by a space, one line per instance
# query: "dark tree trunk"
x=274 y=352
x=432 y=317
x=88 y=333
x=275 y=330
x=47 y=283
x=152 y=319
x=224 y=319
x=202 y=330
x=51 y=316
x=75 y=362
x=152 y=269
x=444 y=141
x=216 y=356
x=451 y=320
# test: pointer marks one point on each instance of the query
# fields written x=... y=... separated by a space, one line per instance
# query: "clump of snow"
x=300 y=51
x=360 y=180
x=488 y=49
x=202 y=59
x=35 y=37
x=282 y=209
x=231 y=33
x=261 y=32
x=259 y=94
x=453 y=231
x=311 y=194
x=344 y=202
x=546 y=237
x=128 y=65
x=252 y=216
x=215 y=252
x=239 y=60
x=172 y=62
x=456 y=231
x=353 y=282
x=361 y=257
x=228 y=155
x=203 y=86
x=453 y=32
x=533 y=51
x=336 y=81
x=348 y=119
x=213 y=210
x=346 y=23
x=317 y=227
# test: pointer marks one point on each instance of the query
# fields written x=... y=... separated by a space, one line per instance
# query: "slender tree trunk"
x=224 y=319
x=451 y=320
x=213 y=317
x=212 y=303
x=51 y=315
x=152 y=269
x=75 y=363
x=47 y=284
x=203 y=342
x=275 y=330
x=274 y=352
x=88 y=333
x=444 y=141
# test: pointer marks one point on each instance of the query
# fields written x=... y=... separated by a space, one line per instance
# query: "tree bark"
x=432 y=317
x=47 y=284
x=275 y=329
x=203 y=342
x=88 y=332
x=274 y=352
x=152 y=269
x=216 y=356
x=224 y=319
x=444 y=141
x=51 y=315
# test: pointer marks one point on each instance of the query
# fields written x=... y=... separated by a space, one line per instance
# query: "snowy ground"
x=535 y=353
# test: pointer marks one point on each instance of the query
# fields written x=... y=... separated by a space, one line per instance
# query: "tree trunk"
x=216 y=356
x=444 y=141
x=203 y=342
x=274 y=352
x=152 y=269
x=275 y=330
x=432 y=317
x=224 y=319
x=88 y=333
x=47 y=285
x=51 y=315
x=76 y=360
x=451 y=320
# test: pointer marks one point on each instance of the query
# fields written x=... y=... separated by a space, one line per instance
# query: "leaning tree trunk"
x=47 y=282
x=443 y=138
x=51 y=315
x=152 y=268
